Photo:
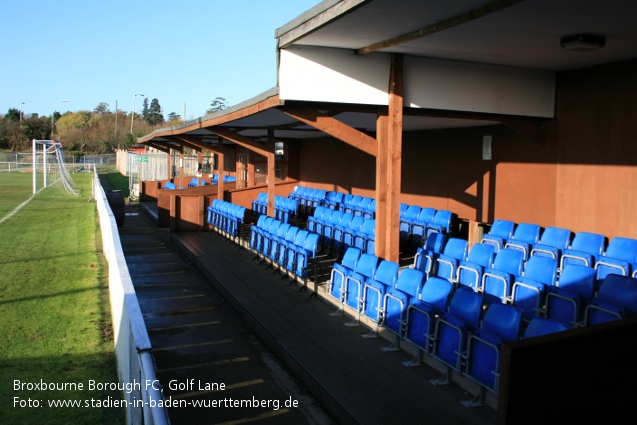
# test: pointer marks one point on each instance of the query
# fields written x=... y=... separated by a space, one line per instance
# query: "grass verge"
x=54 y=311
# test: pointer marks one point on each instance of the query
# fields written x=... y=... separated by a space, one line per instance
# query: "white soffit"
x=319 y=74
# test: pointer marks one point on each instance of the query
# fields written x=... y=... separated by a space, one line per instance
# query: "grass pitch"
x=54 y=311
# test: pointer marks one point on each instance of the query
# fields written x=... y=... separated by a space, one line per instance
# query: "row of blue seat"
x=307 y=197
x=226 y=217
x=287 y=247
x=535 y=286
x=349 y=203
x=445 y=320
x=587 y=249
x=284 y=208
x=340 y=230
x=416 y=223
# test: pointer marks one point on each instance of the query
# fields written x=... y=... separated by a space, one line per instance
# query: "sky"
x=181 y=52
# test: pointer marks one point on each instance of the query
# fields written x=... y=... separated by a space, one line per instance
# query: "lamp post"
x=132 y=120
x=22 y=103
x=53 y=117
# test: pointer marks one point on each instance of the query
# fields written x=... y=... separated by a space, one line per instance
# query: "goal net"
x=48 y=161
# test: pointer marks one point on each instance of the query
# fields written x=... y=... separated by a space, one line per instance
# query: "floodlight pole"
x=132 y=120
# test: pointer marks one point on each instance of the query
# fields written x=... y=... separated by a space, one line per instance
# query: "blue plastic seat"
x=292 y=249
x=501 y=231
x=268 y=238
x=525 y=236
x=425 y=258
x=442 y=222
x=370 y=211
x=347 y=198
x=363 y=206
x=450 y=338
x=566 y=300
x=194 y=182
x=350 y=207
x=336 y=284
x=497 y=280
x=616 y=299
x=398 y=298
x=277 y=240
x=619 y=258
x=305 y=253
x=366 y=237
x=470 y=271
x=447 y=263
x=254 y=231
x=585 y=250
x=501 y=323
x=375 y=288
x=529 y=290
x=553 y=242
x=418 y=227
x=284 y=245
x=329 y=227
x=539 y=326
x=313 y=220
x=340 y=229
x=432 y=301
x=405 y=221
x=169 y=186
x=354 y=283
x=351 y=231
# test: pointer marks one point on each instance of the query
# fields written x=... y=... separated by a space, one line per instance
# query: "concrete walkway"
x=205 y=354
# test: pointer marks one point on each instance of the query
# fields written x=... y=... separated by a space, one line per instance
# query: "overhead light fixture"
x=583 y=42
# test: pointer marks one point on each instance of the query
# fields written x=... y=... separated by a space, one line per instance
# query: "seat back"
x=539 y=326
x=510 y=261
x=442 y=221
x=386 y=273
x=585 y=250
x=410 y=282
x=350 y=258
x=426 y=215
x=541 y=269
x=503 y=321
x=412 y=212
x=436 y=292
x=466 y=305
x=527 y=232
x=456 y=248
x=622 y=249
x=553 y=242
x=502 y=229
x=578 y=279
x=369 y=226
x=620 y=290
x=482 y=255
x=367 y=264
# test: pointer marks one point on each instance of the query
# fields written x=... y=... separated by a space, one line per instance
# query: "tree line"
x=98 y=131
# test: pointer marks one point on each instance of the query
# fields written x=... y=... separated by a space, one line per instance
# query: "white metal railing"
x=135 y=364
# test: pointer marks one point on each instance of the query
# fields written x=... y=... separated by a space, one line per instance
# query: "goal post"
x=56 y=167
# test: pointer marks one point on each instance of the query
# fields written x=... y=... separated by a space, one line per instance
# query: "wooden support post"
x=271 y=170
x=220 y=170
x=181 y=168
x=381 y=180
x=394 y=159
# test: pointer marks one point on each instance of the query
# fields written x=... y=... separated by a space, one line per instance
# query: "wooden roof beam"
x=240 y=139
x=445 y=24
x=334 y=128
x=183 y=142
x=158 y=147
x=195 y=141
